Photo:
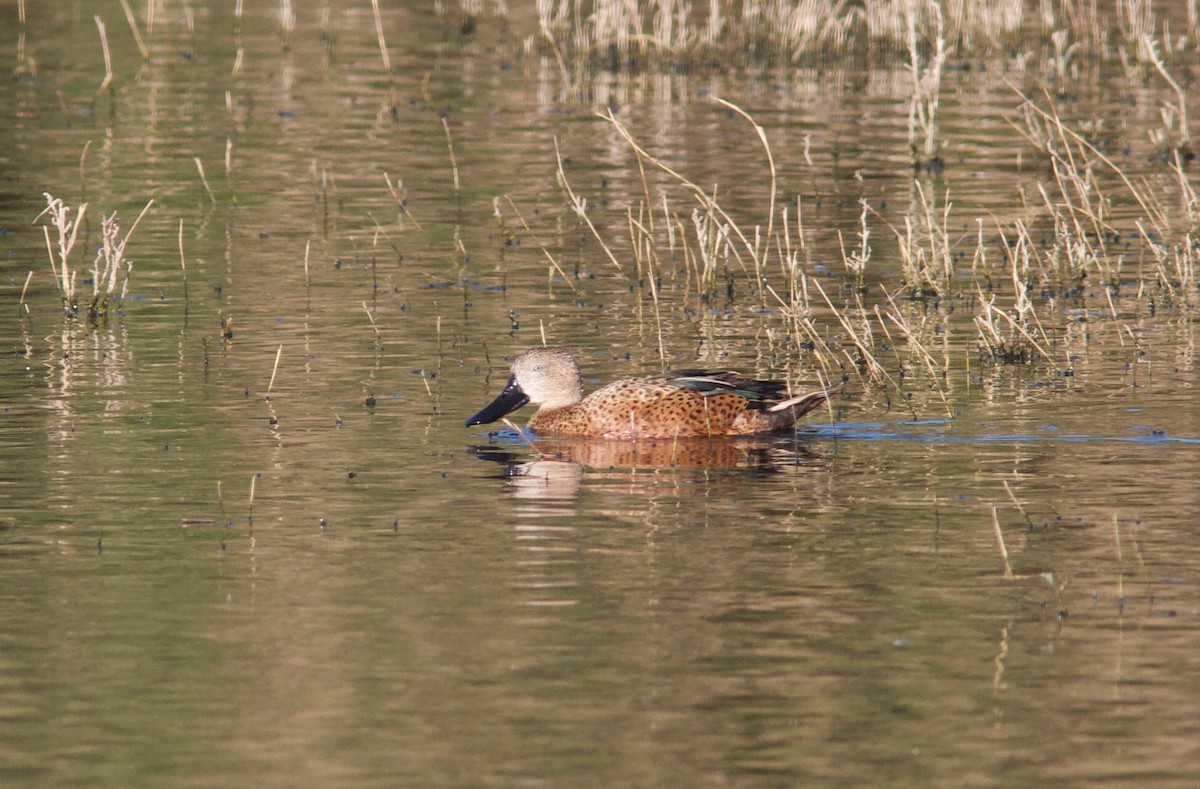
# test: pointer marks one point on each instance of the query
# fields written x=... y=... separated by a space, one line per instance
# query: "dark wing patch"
x=758 y=394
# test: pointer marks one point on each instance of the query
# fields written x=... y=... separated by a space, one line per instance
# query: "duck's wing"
x=713 y=382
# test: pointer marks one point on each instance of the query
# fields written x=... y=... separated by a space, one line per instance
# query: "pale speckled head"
x=549 y=377
x=546 y=377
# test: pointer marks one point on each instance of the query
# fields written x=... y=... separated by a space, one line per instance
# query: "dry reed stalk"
x=450 y=147
x=22 y=307
x=939 y=235
x=307 y=246
x=641 y=241
x=554 y=265
x=383 y=52
x=999 y=348
x=718 y=238
x=114 y=254
x=1067 y=172
x=521 y=433
x=651 y=278
x=371 y=318
x=668 y=224
x=1008 y=573
x=68 y=232
x=874 y=368
x=690 y=264
x=204 y=179
x=1112 y=308
x=400 y=196
x=646 y=195
x=380 y=231
x=1151 y=49
x=936 y=372
x=797 y=312
x=1017 y=503
x=275 y=369
x=1024 y=304
x=137 y=35
x=108 y=72
x=82 y=172
x=891 y=341
x=708 y=203
x=759 y=254
x=713 y=246
x=856 y=262
x=253 y=483
x=579 y=206
x=183 y=263
x=1053 y=118
x=1189 y=202
x=796 y=304
x=1161 y=261
x=221 y=504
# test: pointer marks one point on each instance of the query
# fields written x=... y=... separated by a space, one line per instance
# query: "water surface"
x=267 y=551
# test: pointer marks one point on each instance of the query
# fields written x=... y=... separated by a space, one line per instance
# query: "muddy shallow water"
x=245 y=537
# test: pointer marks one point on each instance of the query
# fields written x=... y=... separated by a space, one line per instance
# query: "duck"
x=680 y=404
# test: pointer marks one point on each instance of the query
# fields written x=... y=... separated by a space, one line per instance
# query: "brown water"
x=222 y=566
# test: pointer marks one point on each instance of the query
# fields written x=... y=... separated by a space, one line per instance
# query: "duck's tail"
x=800 y=405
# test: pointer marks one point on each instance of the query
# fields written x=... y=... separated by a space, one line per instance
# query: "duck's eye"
x=537 y=368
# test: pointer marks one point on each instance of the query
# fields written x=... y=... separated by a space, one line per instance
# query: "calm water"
x=278 y=558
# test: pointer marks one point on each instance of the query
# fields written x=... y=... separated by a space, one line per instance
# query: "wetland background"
x=245 y=537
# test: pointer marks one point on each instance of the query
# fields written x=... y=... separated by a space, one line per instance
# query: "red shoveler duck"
x=682 y=404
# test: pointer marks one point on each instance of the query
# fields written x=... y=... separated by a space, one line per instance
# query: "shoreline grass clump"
x=632 y=33
x=110 y=267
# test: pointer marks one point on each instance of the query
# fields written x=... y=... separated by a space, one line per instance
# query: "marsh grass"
x=720 y=255
x=632 y=34
x=1083 y=213
x=1089 y=234
x=110 y=268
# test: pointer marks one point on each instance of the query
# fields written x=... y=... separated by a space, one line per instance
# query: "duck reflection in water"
x=555 y=474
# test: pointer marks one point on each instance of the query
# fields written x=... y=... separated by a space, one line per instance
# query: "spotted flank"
x=683 y=404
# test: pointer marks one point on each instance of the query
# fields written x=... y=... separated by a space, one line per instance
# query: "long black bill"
x=509 y=400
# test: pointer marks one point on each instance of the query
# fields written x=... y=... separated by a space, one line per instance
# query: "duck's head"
x=546 y=377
